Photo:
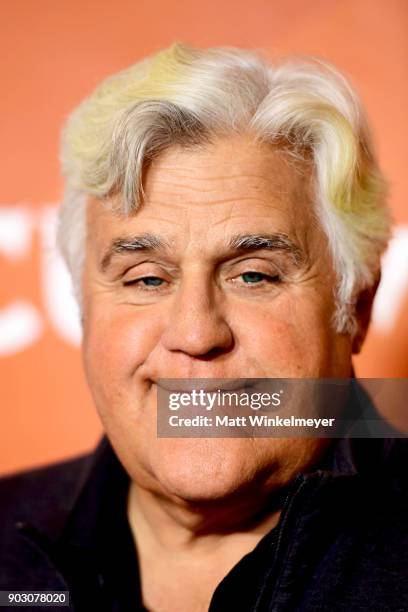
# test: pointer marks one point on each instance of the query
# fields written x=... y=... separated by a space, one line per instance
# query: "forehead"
x=232 y=185
x=235 y=167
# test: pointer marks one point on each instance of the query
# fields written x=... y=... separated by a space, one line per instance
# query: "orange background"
x=54 y=53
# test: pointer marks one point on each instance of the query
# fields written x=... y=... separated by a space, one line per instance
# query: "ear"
x=363 y=309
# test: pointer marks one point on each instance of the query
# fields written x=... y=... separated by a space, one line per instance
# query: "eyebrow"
x=129 y=244
x=270 y=242
x=241 y=243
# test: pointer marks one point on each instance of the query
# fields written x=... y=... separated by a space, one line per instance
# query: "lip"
x=187 y=385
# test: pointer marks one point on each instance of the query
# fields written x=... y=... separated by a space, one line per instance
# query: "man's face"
x=204 y=301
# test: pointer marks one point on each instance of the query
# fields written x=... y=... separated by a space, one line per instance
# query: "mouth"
x=186 y=385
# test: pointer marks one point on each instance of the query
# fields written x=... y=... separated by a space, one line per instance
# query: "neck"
x=185 y=549
x=173 y=526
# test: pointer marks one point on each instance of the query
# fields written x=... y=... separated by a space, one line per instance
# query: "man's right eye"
x=150 y=282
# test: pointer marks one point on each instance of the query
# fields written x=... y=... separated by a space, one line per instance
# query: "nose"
x=196 y=325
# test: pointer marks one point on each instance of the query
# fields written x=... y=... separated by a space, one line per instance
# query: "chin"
x=205 y=470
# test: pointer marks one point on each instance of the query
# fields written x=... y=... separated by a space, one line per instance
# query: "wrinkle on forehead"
x=232 y=165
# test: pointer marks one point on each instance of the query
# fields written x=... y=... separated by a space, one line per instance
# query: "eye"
x=148 y=282
x=254 y=278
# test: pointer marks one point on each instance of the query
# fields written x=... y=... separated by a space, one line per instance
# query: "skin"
x=196 y=506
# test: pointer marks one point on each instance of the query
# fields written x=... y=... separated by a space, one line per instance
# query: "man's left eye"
x=152 y=281
x=252 y=278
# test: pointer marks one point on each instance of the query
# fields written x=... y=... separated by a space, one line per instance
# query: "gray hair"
x=186 y=96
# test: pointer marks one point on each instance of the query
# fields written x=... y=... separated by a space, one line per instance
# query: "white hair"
x=188 y=96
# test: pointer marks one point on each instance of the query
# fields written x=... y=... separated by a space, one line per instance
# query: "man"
x=223 y=219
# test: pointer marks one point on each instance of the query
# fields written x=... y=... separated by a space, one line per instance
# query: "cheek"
x=292 y=336
x=115 y=345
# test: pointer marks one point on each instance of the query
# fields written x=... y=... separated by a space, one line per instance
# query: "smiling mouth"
x=186 y=385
